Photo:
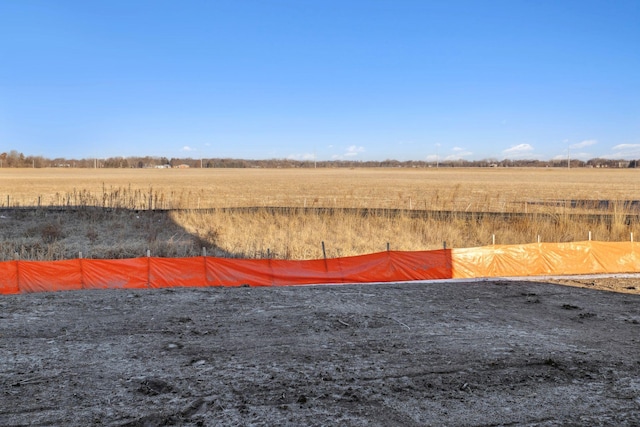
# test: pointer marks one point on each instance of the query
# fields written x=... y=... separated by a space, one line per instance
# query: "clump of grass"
x=52 y=232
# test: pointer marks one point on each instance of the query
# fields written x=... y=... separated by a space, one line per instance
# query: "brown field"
x=444 y=188
x=129 y=228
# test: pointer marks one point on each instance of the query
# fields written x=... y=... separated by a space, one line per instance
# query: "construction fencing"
x=535 y=259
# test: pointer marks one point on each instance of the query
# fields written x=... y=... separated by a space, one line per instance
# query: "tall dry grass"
x=299 y=235
x=111 y=212
x=293 y=234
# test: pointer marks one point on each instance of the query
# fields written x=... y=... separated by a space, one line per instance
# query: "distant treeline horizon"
x=15 y=159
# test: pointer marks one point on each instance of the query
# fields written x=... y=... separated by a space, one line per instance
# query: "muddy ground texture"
x=412 y=354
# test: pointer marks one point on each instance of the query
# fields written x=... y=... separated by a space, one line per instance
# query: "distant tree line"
x=14 y=159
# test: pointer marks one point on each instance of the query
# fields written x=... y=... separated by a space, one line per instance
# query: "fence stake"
x=324 y=254
x=269 y=253
x=632 y=236
x=589 y=236
x=493 y=239
x=388 y=247
x=444 y=245
x=148 y=253
x=204 y=251
x=80 y=255
x=538 y=238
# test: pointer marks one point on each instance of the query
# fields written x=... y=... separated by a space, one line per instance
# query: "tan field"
x=494 y=189
x=296 y=233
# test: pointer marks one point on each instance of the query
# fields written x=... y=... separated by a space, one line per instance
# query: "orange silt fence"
x=539 y=259
x=9 y=277
x=38 y=276
x=132 y=273
x=391 y=266
x=149 y=272
x=177 y=272
x=238 y=272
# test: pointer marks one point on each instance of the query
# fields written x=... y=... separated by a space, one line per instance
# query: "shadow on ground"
x=54 y=234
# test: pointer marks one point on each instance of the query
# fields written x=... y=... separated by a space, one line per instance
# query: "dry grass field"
x=132 y=222
x=476 y=189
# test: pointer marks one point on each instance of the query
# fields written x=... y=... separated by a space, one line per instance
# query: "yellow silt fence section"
x=541 y=259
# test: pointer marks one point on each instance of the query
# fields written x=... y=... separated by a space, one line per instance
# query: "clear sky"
x=334 y=79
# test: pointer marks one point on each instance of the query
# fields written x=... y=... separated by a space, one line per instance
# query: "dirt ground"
x=413 y=354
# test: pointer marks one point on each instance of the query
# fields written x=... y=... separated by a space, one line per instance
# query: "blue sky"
x=330 y=79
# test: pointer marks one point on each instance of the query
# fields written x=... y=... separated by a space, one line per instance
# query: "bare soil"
x=412 y=354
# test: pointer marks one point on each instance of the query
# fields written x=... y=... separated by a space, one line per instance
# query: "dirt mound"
x=488 y=353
